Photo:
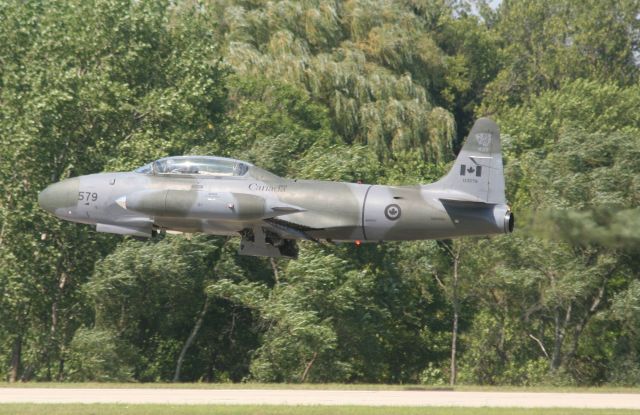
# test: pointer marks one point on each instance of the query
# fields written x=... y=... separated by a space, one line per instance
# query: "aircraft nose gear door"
x=262 y=242
x=381 y=213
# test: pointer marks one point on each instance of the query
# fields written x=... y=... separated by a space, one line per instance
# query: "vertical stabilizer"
x=477 y=171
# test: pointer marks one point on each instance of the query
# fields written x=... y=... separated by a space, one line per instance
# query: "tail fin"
x=477 y=171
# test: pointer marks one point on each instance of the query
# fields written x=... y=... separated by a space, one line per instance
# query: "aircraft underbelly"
x=212 y=227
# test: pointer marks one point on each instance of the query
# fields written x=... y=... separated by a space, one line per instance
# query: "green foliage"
x=625 y=310
x=272 y=124
x=97 y=356
x=144 y=291
x=326 y=319
x=373 y=65
x=582 y=104
x=574 y=154
x=546 y=43
x=85 y=86
x=431 y=375
x=579 y=160
x=472 y=62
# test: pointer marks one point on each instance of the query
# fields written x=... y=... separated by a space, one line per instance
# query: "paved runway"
x=321 y=397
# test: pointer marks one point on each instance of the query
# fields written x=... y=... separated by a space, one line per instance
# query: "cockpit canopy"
x=196 y=165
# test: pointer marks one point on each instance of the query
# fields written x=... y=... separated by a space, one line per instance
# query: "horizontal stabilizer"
x=465 y=203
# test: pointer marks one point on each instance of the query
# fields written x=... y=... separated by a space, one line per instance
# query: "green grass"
x=322 y=386
x=102 y=409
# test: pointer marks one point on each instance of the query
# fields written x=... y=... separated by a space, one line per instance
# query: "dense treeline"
x=373 y=90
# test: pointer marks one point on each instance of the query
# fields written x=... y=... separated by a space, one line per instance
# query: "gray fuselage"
x=329 y=210
x=221 y=196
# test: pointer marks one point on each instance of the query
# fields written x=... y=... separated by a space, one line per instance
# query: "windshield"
x=194 y=165
x=144 y=169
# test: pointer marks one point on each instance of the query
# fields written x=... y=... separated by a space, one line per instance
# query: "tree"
x=547 y=43
x=453 y=273
x=76 y=91
x=574 y=194
x=364 y=61
x=624 y=310
x=148 y=295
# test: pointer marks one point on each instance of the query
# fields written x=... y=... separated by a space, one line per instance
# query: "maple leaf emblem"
x=392 y=212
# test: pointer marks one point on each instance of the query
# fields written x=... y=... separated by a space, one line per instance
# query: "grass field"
x=323 y=386
x=101 y=409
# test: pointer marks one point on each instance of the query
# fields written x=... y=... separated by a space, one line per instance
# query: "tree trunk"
x=16 y=352
x=2 y=232
x=274 y=266
x=452 y=291
x=308 y=367
x=4 y=222
x=585 y=319
x=60 y=376
x=208 y=377
x=61 y=361
x=454 y=345
x=54 y=342
x=456 y=316
x=190 y=339
x=560 y=331
x=557 y=343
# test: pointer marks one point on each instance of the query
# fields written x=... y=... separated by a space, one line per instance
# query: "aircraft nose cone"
x=59 y=195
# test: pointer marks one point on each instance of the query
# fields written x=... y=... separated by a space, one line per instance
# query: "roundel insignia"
x=392 y=212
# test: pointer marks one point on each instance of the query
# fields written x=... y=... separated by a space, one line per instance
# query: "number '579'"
x=88 y=196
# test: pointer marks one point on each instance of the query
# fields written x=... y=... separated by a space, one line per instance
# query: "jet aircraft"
x=223 y=196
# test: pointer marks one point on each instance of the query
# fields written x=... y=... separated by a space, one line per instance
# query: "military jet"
x=223 y=196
